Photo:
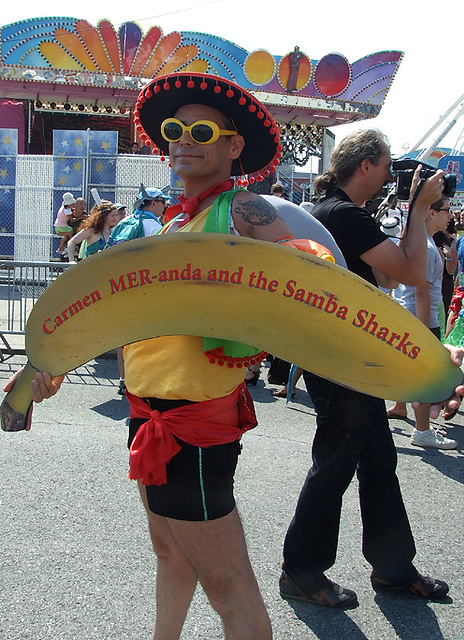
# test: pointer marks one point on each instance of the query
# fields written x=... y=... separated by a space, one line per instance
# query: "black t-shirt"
x=354 y=230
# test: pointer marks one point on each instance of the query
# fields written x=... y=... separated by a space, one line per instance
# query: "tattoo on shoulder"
x=256 y=213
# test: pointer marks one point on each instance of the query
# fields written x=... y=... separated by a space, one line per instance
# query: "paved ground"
x=76 y=561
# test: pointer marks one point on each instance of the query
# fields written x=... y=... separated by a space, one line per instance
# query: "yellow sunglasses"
x=201 y=131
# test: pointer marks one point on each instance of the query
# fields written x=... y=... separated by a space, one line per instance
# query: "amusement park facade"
x=68 y=90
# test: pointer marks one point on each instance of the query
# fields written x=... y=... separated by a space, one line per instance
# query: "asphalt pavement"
x=76 y=558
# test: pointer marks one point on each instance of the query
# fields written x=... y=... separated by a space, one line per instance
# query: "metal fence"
x=31 y=198
x=21 y=283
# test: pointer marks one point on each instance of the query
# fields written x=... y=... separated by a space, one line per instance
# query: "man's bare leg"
x=175 y=581
x=217 y=552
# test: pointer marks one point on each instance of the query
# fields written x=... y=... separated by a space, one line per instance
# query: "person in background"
x=278 y=190
x=446 y=242
x=423 y=301
x=95 y=230
x=121 y=209
x=78 y=214
x=353 y=435
x=63 y=217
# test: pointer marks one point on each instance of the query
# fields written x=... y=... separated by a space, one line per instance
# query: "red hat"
x=161 y=98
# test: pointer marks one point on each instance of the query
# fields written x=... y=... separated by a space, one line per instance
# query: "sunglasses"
x=202 y=131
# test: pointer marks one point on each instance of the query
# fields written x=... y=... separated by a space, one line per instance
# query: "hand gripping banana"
x=314 y=314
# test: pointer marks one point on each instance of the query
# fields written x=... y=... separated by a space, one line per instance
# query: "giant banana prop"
x=311 y=313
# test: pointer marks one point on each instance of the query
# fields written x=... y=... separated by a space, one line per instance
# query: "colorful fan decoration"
x=73 y=51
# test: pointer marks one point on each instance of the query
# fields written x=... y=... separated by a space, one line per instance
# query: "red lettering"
x=132 y=279
x=360 y=318
x=403 y=345
x=414 y=352
x=145 y=276
x=46 y=329
x=289 y=289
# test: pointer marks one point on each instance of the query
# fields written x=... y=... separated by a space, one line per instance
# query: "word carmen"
x=50 y=325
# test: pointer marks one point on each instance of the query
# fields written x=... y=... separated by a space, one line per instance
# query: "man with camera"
x=352 y=428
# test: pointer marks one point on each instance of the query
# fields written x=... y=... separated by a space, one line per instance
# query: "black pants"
x=352 y=436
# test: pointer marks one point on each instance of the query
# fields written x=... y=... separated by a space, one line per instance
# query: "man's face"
x=442 y=217
x=190 y=159
x=79 y=206
x=380 y=175
x=158 y=207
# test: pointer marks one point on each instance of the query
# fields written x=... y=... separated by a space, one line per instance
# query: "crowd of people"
x=185 y=431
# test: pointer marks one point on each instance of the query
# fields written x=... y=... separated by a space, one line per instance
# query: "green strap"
x=219 y=220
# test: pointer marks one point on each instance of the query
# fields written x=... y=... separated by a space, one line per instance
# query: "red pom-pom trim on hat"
x=166 y=86
x=148 y=93
x=260 y=115
x=252 y=108
x=229 y=93
x=178 y=84
x=217 y=89
x=203 y=85
x=190 y=84
x=242 y=101
x=157 y=88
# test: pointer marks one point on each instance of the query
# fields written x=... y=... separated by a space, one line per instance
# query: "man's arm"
x=451 y=257
x=255 y=217
x=422 y=298
x=407 y=261
x=42 y=387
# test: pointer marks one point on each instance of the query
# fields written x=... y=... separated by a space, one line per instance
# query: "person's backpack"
x=130 y=228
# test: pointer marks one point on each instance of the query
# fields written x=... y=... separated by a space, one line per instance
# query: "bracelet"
x=448 y=259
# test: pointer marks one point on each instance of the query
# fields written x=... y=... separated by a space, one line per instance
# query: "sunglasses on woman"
x=201 y=131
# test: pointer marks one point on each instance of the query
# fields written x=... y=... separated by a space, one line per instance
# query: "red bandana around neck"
x=190 y=205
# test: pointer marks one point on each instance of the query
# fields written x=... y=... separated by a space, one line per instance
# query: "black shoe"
x=422 y=586
x=254 y=378
x=122 y=388
x=330 y=594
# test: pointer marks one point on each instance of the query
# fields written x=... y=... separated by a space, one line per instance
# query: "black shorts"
x=200 y=480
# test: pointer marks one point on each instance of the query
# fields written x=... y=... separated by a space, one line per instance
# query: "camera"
x=404 y=171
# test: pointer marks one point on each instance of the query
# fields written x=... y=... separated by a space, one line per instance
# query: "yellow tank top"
x=175 y=367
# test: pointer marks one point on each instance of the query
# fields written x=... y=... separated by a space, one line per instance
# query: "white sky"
x=429 y=79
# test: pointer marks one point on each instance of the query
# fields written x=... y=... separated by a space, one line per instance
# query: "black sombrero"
x=161 y=98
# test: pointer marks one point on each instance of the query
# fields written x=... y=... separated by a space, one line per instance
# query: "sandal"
x=450 y=415
x=395 y=416
x=282 y=393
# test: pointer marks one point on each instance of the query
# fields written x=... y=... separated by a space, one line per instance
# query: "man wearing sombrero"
x=189 y=405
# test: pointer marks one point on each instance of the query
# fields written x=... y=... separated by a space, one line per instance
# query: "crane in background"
x=460 y=140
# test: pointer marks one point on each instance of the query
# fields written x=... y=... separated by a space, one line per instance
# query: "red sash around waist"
x=201 y=424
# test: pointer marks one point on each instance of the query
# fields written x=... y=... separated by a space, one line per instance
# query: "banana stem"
x=15 y=405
